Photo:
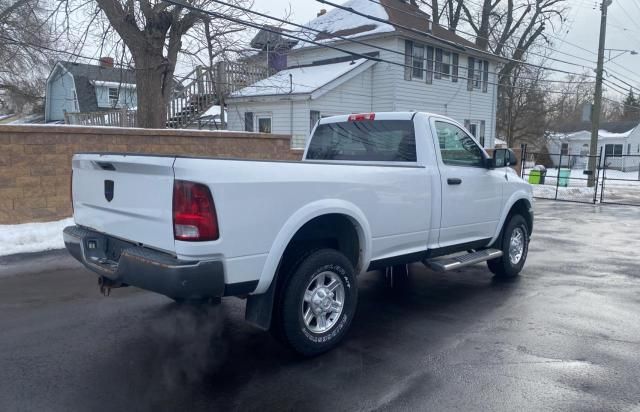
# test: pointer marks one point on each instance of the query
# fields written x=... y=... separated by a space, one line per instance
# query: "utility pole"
x=597 y=99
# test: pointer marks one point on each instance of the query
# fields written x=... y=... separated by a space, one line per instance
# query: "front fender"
x=520 y=194
x=299 y=219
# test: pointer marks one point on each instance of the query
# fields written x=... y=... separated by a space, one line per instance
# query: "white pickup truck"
x=373 y=191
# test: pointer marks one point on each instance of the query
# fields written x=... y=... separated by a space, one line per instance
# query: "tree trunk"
x=153 y=84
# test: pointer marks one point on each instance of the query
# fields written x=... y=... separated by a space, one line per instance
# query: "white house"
x=406 y=71
x=77 y=87
x=574 y=148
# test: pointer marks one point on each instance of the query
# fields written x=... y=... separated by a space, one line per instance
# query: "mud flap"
x=259 y=309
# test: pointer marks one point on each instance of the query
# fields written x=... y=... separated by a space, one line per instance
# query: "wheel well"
x=335 y=231
x=522 y=207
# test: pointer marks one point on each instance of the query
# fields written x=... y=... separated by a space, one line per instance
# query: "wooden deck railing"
x=205 y=86
x=118 y=118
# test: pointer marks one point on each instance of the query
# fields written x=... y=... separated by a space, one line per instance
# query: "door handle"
x=454 y=181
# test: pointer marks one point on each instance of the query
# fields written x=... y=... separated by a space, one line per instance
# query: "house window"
x=564 y=149
x=113 y=96
x=477 y=128
x=314 y=116
x=477 y=74
x=613 y=150
x=443 y=64
x=418 y=62
x=629 y=148
x=263 y=123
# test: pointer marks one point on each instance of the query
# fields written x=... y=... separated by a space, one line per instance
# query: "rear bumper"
x=129 y=264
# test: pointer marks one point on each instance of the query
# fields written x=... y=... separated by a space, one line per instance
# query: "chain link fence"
x=620 y=180
x=561 y=176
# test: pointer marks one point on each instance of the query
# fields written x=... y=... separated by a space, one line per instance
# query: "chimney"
x=322 y=12
x=106 y=62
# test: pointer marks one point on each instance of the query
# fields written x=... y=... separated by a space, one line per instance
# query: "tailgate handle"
x=106 y=166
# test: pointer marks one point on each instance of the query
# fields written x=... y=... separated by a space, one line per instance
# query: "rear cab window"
x=364 y=140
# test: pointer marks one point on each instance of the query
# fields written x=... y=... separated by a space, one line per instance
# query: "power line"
x=532 y=52
x=246 y=10
x=486 y=38
x=349 y=9
x=359 y=55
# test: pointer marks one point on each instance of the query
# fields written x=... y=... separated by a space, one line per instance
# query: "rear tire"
x=317 y=303
x=515 y=246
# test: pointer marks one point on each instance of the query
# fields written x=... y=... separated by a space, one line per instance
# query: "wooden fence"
x=118 y=118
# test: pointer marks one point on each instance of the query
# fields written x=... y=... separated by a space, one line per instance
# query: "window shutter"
x=429 y=76
x=485 y=77
x=467 y=124
x=408 y=59
x=482 y=130
x=314 y=116
x=248 y=122
x=454 y=68
x=438 y=69
x=470 y=73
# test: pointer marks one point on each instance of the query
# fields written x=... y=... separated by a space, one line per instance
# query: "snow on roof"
x=344 y=23
x=212 y=111
x=303 y=79
x=586 y=134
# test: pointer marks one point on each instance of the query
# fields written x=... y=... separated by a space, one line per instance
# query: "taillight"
x=361 y=116
x=194 y=214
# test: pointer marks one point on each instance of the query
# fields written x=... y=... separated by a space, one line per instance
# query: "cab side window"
x=457 y=147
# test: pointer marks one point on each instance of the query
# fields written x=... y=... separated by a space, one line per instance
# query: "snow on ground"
x=578 y=178
x=549 y=192
x=32 y=118
x=303 y=79
x=32 y=237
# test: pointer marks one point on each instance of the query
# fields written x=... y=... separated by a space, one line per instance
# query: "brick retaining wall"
x=35 y=160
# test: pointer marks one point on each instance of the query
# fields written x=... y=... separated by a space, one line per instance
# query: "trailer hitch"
x=107 y=284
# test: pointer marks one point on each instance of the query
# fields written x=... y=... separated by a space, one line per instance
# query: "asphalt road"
x=564 y=336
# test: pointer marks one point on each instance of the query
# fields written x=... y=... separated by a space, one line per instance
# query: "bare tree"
x=27 y=47
x=152 y=35
x=524 y=111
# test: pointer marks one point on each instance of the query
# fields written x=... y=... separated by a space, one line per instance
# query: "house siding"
x=352 y=96
x=380 y=88
x=281 y=120
x=60 y=96
x=391 y=92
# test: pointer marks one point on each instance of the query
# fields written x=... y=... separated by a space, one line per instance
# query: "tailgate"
x=126 y=196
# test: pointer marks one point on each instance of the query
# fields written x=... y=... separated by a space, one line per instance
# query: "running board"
x=450 y=263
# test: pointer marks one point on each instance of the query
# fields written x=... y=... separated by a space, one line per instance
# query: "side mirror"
x=504 y=158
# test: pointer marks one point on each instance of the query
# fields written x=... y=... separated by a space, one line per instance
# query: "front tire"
x=515 y=246
x=318 y=302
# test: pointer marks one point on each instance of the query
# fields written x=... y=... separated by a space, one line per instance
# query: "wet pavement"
x=564 y=336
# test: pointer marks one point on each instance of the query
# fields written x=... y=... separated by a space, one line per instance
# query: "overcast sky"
x=623 y=32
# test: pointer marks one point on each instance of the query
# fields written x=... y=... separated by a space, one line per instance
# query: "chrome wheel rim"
x=516 y=246
x=323 y=302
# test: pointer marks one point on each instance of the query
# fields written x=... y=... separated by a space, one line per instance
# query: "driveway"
x=564 y=336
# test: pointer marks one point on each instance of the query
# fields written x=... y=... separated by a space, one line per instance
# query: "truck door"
x=471 y=193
